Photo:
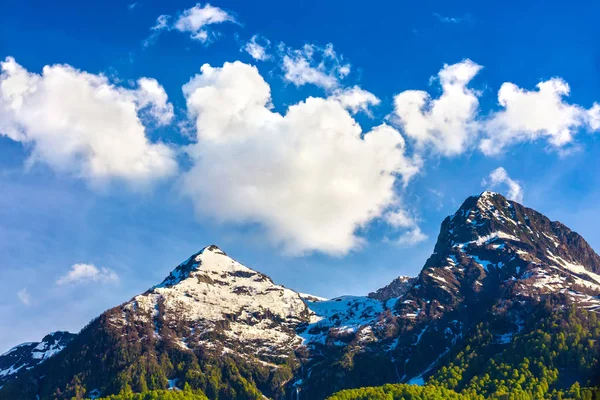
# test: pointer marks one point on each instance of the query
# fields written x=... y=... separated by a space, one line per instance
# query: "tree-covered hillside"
x=555 y=355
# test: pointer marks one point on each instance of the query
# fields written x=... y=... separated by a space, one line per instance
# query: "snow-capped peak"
x=211 y=295
x=209 y=259
x=487 y=194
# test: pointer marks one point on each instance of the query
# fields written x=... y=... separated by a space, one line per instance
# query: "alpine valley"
x=504 y=308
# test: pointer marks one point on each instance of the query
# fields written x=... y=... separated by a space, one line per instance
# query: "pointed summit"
x=211 y=295
x=493 y=245
x=210 y=258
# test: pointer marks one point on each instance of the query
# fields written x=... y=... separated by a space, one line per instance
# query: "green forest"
x=555 y=356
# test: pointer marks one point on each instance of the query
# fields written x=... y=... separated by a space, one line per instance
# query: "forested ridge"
x=555 y=356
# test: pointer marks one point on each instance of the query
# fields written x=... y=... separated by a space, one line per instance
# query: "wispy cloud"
x=453 y=20
x=311 y=64
x=195 y=21
x=24 y=296
x=402 y=219
x=257 y=48
x=132 y=6
x=499 y=177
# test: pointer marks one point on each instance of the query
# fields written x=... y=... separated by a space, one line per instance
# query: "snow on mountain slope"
x=27 y=355
x=341 y=316
x=211 y=294
x=494 y=241
x=310 y=297
x=494 y=260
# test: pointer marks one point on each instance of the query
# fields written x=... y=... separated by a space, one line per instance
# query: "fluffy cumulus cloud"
x=81 y=124
x=85 y=273
x=448 y=123
x=356 y=99
x=257 y=48
x=537 y=114
x=310 y=177
x=499 y=178
x=314 y=65
x=452 y=123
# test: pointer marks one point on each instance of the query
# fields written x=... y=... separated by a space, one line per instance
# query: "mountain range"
x=505 y=305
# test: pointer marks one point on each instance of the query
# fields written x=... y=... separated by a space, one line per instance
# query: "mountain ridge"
x=495 y=261
x=27 y=355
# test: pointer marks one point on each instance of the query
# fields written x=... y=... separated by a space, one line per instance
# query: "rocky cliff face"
x=396 y=288
x=492 y=246
x=232 y=331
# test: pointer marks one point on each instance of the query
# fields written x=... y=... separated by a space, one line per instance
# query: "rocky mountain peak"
x=211 y=259
x=396 y=288
x=493 y=245
x=210 y=295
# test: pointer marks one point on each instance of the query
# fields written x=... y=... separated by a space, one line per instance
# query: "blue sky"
x=135 y=175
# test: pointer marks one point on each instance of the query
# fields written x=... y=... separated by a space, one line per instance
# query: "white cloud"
x=84 y=273
x=538 y=114
x=447 y=123
x=196 y=20
x=308 y=177
x=451 y=125
x=593 y=117
x=314 y=65
x=402 y=219
x=499 y=177
x=399 y=219
x=257 y=50
x=162 y=23
x=411 y=237
x=24 y=296
x=80 y=123
x=132 y=6
x=356 y=99
x=151 y=97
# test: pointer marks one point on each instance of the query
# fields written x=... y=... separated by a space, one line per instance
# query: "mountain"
x=212 y=322
x=505 y=289
x=27 y=355
x=396 y=288
x=496 y=264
